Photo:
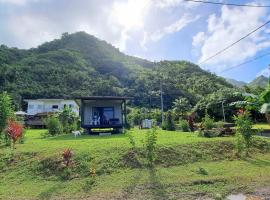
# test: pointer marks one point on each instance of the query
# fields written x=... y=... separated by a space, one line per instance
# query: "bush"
x=54 y=125
x=69 y=120
x=208 y=123
x=183 y=125
x=219 y=124
x=6 y=111
x=244 y=130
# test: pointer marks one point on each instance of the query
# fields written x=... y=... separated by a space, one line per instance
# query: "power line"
x=229 y=46
x=229 y=4
x=249 y=61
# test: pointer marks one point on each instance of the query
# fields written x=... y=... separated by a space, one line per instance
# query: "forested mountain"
x=236 y=82
x=79 y=65
x=260 y=81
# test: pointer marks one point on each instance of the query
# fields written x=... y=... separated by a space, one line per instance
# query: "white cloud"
x=172 y=28
x=223 y=30
x=198 y=39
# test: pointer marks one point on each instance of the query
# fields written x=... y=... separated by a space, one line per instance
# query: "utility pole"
x=224 y=119
x=161 y=101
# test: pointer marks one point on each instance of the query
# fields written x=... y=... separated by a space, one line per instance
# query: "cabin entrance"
x=102 y=115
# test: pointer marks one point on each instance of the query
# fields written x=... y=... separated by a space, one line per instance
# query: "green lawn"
x=177 y=175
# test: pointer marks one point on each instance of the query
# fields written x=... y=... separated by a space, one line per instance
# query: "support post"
x=224 y=119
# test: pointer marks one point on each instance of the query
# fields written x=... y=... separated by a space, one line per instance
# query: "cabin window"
x=39 y=107
x=70 y=106
x=54 y=106
x=108 y=112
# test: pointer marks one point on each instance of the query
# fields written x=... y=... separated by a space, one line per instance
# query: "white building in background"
x=36 y=106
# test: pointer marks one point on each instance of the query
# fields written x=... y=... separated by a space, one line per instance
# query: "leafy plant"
x=244 y=128
x=67 y=155
x=54 y=125
x=183 y=125
x=208 y=122
x=68 y=119
x=151 y=145
x=181 y=106
x=14 y=131
x=6 y=111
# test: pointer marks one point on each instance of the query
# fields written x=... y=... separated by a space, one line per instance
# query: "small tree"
x=14 y=131
x=6 y=110
x=151 y=144
x=244 y=127
x=169 y=122
x=181 y=106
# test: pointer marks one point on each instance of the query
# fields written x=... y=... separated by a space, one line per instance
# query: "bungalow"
x=37 y=106
x=101 y=113
x=38 y=109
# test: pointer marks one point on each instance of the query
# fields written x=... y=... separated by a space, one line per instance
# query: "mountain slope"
x=80 y=65
x=236 y=82
x=260 y=81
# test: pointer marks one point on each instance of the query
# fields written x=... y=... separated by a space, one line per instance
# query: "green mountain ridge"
x=79 y=64
x=260 y=81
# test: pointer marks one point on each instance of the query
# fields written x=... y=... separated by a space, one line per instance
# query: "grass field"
x=187 y=167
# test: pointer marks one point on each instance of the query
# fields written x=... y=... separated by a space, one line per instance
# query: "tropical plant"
x=68 y=119
x=151 y=145
x=183 y=125
x=181 y=106
x=244 y=127
x=265 y=109
x=208 y=122
x=14 y=131
x=54 y=125
x=67 y=155
x=6 y=110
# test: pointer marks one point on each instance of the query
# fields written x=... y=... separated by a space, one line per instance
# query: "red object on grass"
x=14 y=130
x=67 y=155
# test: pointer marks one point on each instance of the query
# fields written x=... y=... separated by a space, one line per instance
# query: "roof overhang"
x=104 y=98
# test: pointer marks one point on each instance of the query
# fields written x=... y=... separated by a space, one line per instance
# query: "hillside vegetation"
x=79 y=65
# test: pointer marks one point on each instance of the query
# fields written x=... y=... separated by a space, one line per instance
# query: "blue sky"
x=151 y=29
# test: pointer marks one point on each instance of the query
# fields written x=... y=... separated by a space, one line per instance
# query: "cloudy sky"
x=151 y=29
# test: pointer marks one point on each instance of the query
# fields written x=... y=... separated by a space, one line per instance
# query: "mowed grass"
x=179 y=180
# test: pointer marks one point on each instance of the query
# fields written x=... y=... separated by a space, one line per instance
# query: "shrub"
x=183 y=125
x=14 y=131
x=6 y=111
x=208 y=123
x=67 y=155
x=54 y=125
x=219 y=124
x=69 y=120
x=244 y=129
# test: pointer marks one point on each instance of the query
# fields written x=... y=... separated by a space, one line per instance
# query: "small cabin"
x=103 y=113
